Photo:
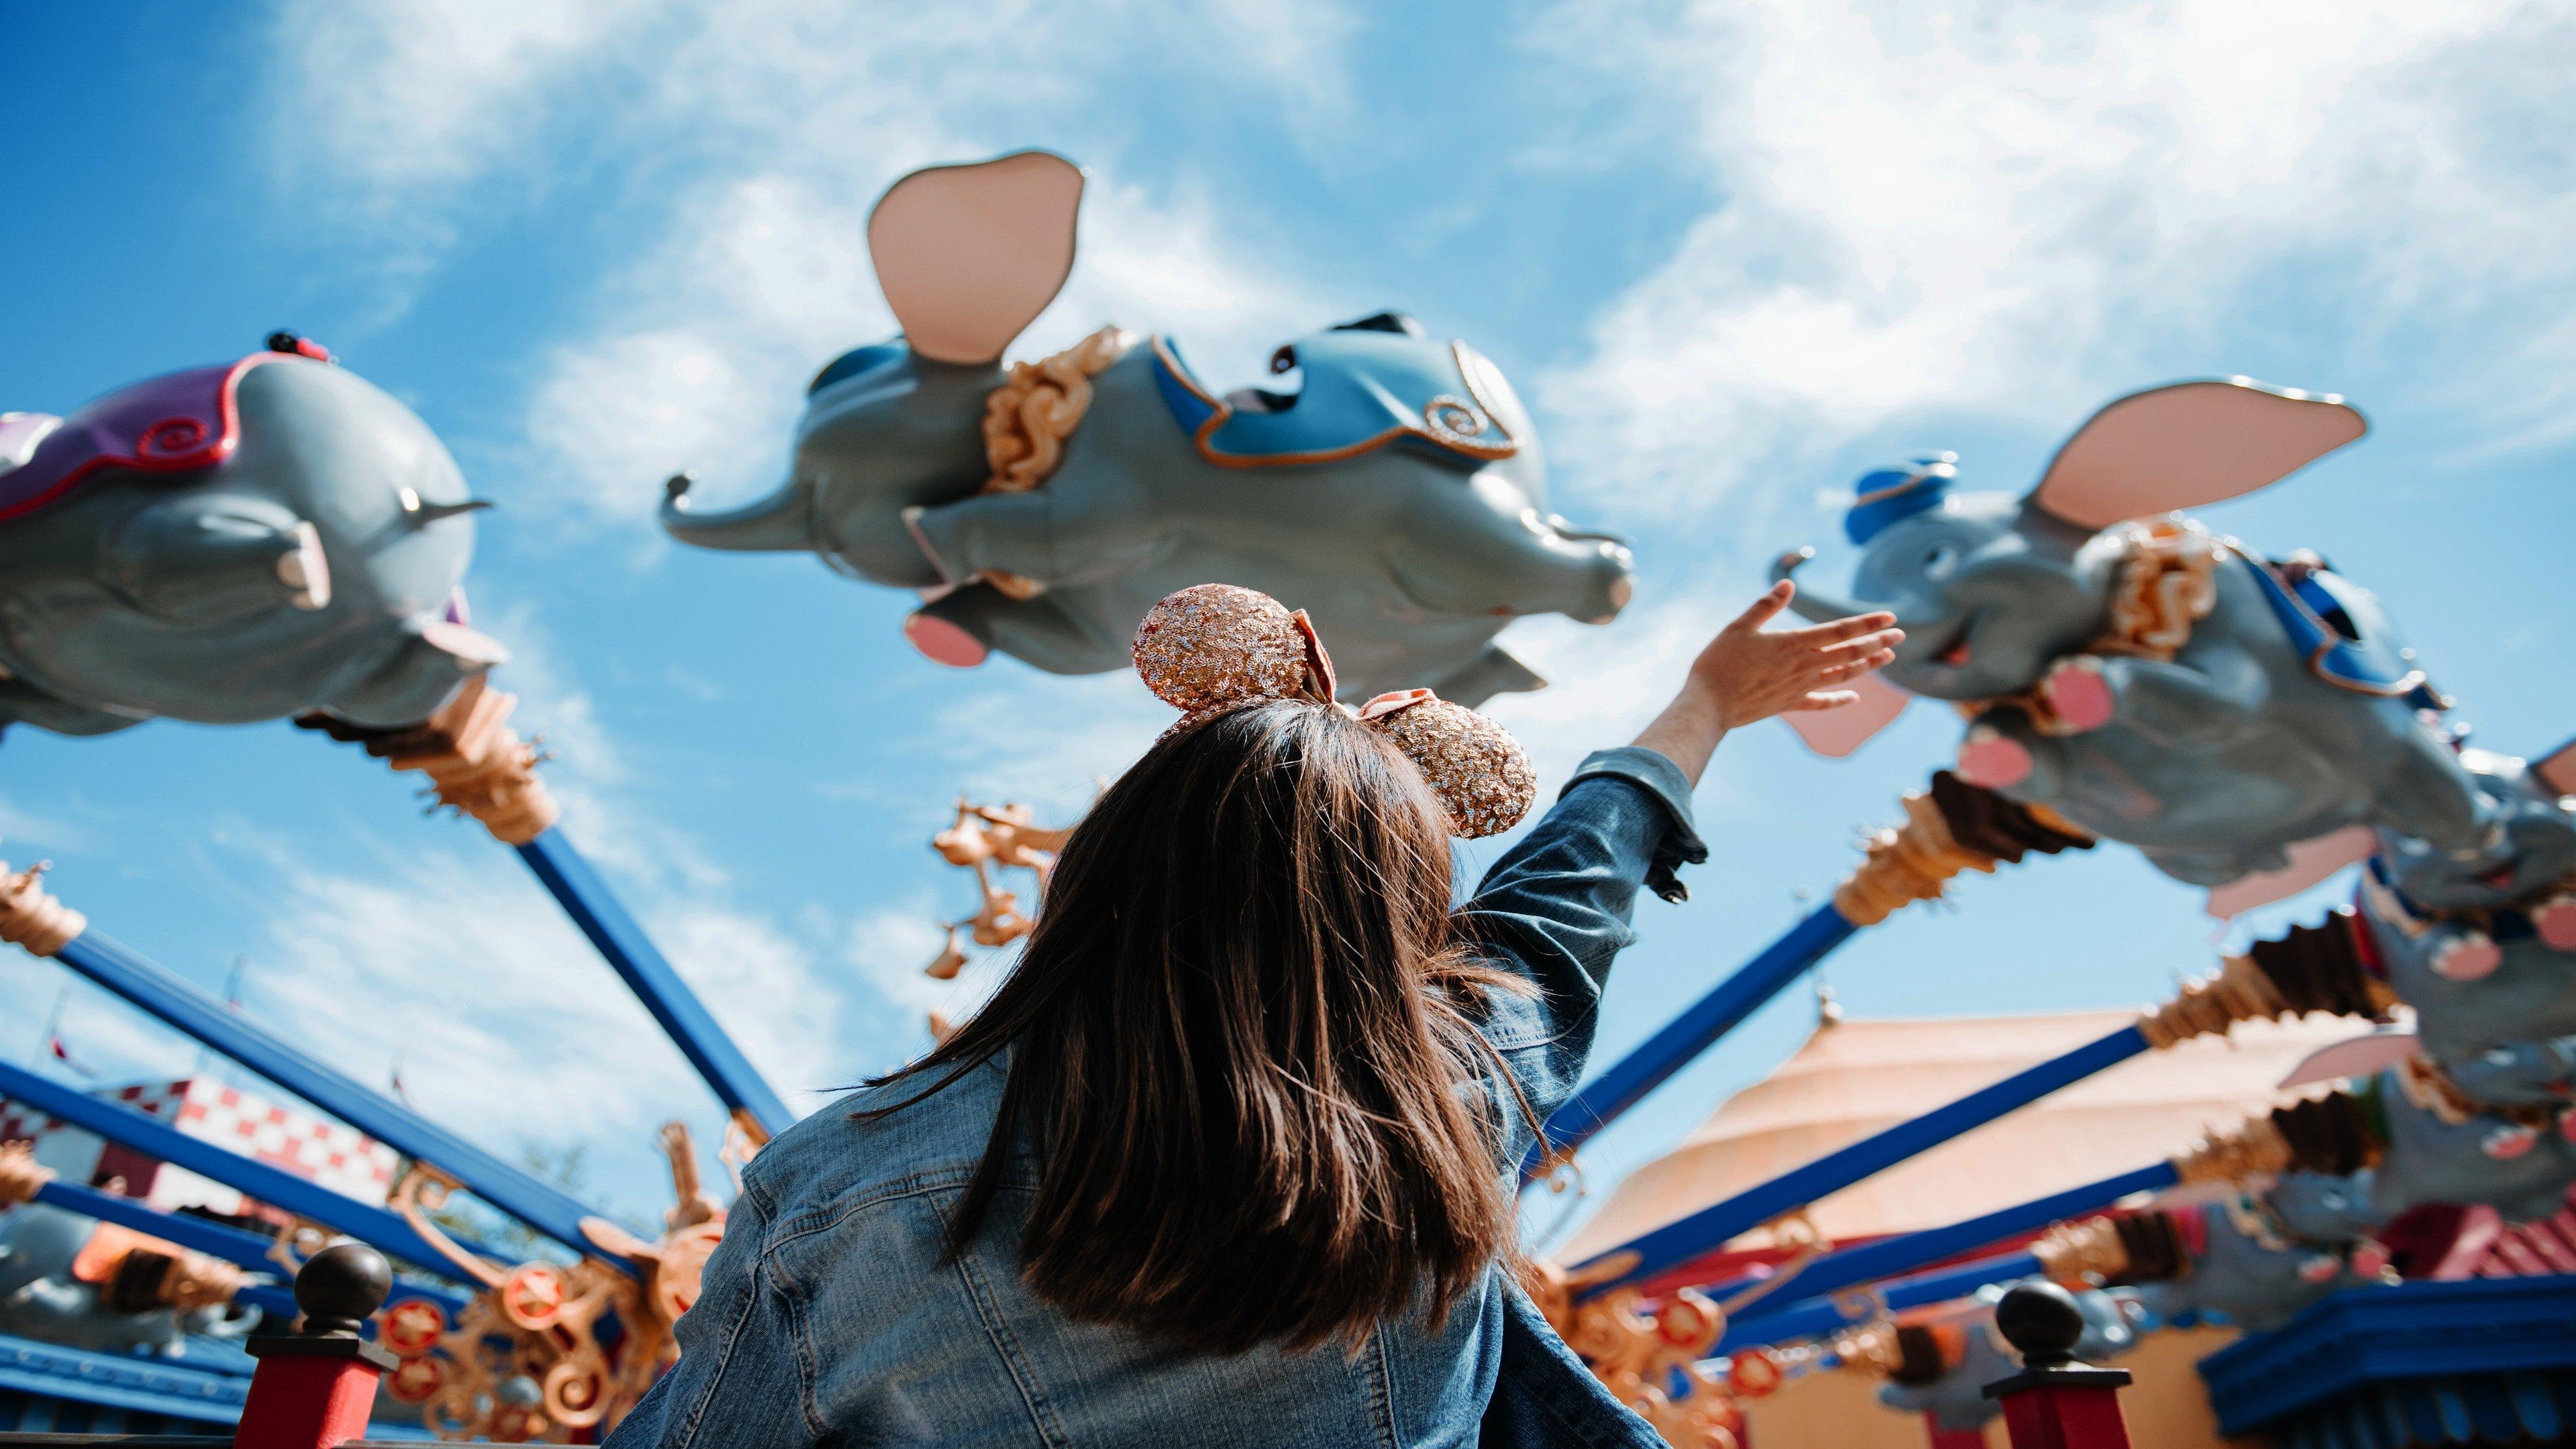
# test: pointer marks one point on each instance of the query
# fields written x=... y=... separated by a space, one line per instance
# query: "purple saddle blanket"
x=176 y=423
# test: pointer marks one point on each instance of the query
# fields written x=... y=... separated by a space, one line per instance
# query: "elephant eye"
x=1940 y=561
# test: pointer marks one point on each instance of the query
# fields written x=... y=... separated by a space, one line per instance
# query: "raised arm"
x=1555 y=909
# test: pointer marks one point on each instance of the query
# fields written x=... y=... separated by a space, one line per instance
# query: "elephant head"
x=1991 y=589
x=2529 y=858
x=232 y=544
x=967 y=256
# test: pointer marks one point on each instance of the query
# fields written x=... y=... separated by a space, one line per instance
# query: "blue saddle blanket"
x=2307 y=602
x=1363 y=389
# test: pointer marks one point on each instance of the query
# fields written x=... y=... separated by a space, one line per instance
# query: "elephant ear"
x=2187 y=444
x=1835 y=733
x=2360 y=1056
x=969 y=255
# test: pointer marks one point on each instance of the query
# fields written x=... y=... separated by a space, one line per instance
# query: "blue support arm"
x=148 y=985
x=1627 y=1081
x=216 y=1240
x=1869 y=1262
x=153 y=1137
x=1815 y=1317
x=570 y=880
x=1676 y=1243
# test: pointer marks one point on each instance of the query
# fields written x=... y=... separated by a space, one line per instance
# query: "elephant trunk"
x=1809 y=603
x=783 y=521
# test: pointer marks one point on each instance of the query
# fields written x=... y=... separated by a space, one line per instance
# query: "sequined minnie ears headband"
x=1214 y=648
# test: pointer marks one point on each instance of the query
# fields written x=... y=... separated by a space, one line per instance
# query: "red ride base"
x=1941 y=1438
x=309 y=1393
x=2064 y=1408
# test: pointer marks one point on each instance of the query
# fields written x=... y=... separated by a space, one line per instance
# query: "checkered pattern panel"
x=321 y=1151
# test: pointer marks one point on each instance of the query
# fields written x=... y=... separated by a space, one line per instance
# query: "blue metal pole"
x=233 y=1245
x=1676 y=1243
x=1626 y=1081
x=1869 y=1262
x=145 y=983
x=738 y=1084
x=1812 y=1317
x=155 y=1138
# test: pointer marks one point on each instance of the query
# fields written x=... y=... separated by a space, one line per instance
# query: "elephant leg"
x=962 y=627
x=2426 y=794
x=1493 y=671
x=1036 y=535
x=1476 y=559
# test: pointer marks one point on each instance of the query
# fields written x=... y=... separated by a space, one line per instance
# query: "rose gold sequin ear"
x=1214 y=646
x=1474 y=766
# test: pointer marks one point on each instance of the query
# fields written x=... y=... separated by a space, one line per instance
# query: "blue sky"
x=1732 y=253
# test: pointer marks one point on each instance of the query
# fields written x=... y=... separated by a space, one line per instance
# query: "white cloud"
x=2007 y=206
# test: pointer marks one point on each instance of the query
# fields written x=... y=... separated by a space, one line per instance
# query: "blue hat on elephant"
x=1883 y=497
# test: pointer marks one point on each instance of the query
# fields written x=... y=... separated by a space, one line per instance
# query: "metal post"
x=315 y=1389
x=1676 y=1243
x=2055 y=1402
x=739 y=1085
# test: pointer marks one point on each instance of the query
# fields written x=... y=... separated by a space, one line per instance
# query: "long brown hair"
x=1242 y=1046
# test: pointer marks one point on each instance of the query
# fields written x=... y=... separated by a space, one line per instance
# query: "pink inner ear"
x=1835 y=733
x=2186 y=445
x=970 y=255
x=2362 y=1056
x=2310 y=861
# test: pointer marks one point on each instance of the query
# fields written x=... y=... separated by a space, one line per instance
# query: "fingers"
x=1825 y=699
x=1767 y=608
x=1878 y=643
x=1841 y=629
x=1854 y=668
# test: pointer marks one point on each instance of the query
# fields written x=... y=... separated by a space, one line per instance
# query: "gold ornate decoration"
x=986 y=838
x=524 y=1361
x=2071 y=1252
x=2430 y=1089
x=1637 y=1350
x=1949 y=828
x=476 y=763
x=29 y=914
x=1796 y=1231
x=1028 y=419
x=2253 y=1148
x=2239 y=990
x=21 y=1176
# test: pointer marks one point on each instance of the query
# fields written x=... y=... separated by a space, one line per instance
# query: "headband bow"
x=1214 y=648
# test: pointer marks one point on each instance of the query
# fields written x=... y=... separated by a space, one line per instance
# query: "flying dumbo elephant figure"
x=2443 y=1148
x=71 y=1280
x=2484 y=947
x=228 y=544
x=2149 y=680
x=2261 y=1258
x=1948 y=1383
x=1397 y=490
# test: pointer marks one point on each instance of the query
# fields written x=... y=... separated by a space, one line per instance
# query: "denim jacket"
x=826 y=1317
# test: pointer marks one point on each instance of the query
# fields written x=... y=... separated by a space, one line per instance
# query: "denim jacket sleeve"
x=1555 y=910
x=742 y=1357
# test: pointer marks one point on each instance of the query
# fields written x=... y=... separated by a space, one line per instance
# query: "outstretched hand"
x=1748 y=674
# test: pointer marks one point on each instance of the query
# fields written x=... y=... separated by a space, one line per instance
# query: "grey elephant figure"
x=44 y=1296
x=1397 y=493
x=2443 y=1148
x=2484 y=946
x=2264 y=1257
x=230 y=544
x=2151 y=681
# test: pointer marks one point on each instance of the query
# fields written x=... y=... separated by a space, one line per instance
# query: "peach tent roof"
x=1854 y=1077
